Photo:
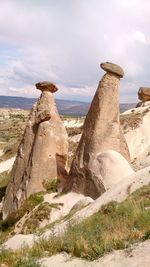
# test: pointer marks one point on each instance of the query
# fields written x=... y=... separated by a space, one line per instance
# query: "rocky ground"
x=133 y=257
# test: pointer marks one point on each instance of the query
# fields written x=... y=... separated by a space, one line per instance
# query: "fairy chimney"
x=42 y=154
x=101 y=132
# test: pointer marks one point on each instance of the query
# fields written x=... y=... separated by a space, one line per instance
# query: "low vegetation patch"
x=130 y=121
x=17 y=260
x=51 y=185
x=41 y=213
x=7 y=226
x=116 y=226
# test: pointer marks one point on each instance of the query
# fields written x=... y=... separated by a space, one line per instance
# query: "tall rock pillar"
x=42 y=154
x=101 y=132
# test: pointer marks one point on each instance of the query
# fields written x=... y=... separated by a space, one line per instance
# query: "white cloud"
x=140 y=37
x=65 y=41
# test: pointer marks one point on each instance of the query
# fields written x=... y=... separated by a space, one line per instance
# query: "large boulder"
x=112 y=167
x=101 y=132
x=42 y=154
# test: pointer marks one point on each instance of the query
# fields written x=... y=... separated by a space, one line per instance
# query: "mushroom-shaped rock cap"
x=144 y=93
x=46 y=86
x=113 y=68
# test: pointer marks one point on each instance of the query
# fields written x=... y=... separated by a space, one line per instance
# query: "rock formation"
x=101 y=132
x=42 y=154
x=144 y=96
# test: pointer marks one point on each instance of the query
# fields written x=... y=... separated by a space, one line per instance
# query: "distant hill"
x=65 y=107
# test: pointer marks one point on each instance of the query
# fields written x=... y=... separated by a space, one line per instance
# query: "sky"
x=64 y=41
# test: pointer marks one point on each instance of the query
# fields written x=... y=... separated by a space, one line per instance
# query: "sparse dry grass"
x=40 y=213
x=130 y=121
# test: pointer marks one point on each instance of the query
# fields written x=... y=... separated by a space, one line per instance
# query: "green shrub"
x=51 y=185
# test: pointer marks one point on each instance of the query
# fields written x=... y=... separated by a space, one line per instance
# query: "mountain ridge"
x=65 y=107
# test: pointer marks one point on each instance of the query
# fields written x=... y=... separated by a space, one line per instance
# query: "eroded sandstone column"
x=101 y=132
x=42 y=154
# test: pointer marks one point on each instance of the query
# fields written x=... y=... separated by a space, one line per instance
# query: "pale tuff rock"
x=113 y=167
x=143 y=160
x=101 y=132
x=42 y=154
x=7 y=165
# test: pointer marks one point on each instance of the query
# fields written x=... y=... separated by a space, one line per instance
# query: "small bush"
x=51 y=185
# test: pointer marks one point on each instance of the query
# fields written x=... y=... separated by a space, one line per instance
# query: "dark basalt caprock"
x=144 y=93
x=112 y=68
